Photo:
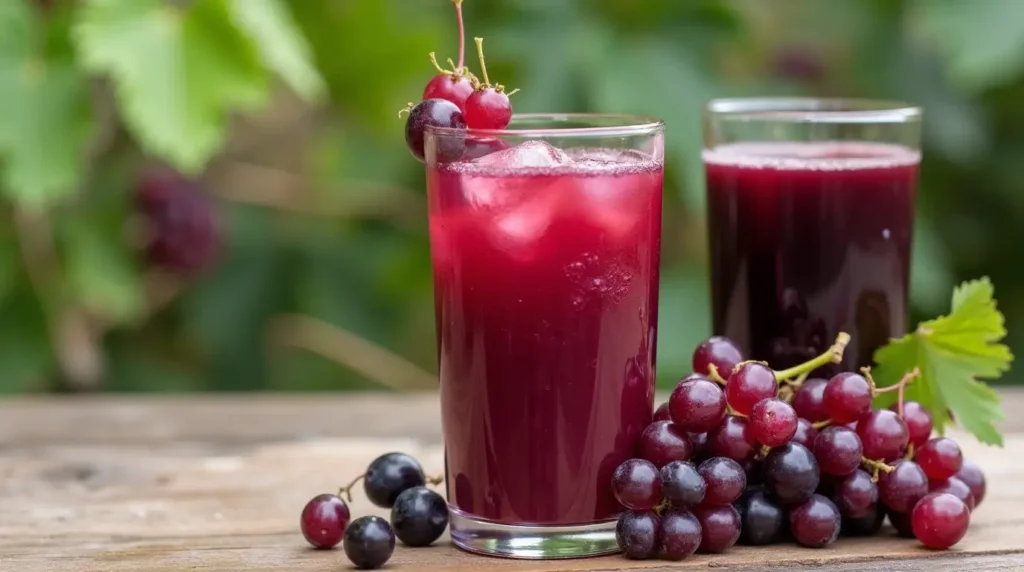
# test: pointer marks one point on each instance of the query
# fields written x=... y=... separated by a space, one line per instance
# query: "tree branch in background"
x=350 y=350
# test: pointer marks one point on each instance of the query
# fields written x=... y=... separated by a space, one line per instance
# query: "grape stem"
x=733 y=412
x=899 y=387
x=486 y=84
x=821 y=424
x=483 y=65
x=347 y=489
x=833 y=354
x=662 y=506
x=876 y=467
x=462 y=34
x=434 y=481
x=713 y=374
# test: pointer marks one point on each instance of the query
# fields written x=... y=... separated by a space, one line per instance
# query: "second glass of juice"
x=810 y=219
x=545 y=242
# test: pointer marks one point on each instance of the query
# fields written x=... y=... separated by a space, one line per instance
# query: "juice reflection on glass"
x=546 y=260
x=810 y=215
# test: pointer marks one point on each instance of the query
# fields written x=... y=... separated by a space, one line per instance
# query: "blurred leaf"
x=390 y=66
x=674 y=89
x=982 y=42
x=280 y=44
x=44 y=119
x=26 y=359
x=225 y=313
x=179 y=72
x=232 y=301
x=100 y=273
x=554 y=28
x=953 y=123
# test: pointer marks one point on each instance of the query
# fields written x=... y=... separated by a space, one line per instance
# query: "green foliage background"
x=286 y=112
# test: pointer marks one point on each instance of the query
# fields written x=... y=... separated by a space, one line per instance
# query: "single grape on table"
x=419 y=516
x=324 y=520
x=369 y=542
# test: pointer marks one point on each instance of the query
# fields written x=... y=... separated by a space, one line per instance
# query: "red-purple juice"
x=807 y=240
x=546 y=289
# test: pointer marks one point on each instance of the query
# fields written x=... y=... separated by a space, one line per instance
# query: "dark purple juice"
x=807 y=240
x=546 y=291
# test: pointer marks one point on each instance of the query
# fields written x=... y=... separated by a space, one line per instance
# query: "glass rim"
x=812 y=110
x=617 y=125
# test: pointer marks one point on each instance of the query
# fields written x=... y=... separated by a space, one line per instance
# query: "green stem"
x=714 y=376
x=347 y=489
x=462 y=35
x=483 y=65
x=834 y=354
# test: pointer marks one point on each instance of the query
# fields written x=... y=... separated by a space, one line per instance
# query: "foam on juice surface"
x=812 y=155
x=539 y=158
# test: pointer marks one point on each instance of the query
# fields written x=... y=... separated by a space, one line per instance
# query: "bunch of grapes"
x=419 y=515
x=181 y=225
x=741 y=452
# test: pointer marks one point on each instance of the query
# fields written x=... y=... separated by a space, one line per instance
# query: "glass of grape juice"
x=545 y=240
x=810 y=221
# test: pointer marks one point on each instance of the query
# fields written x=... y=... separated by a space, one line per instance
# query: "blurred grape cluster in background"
x=216 y=194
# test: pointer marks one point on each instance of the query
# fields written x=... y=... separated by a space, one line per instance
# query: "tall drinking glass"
x=810 y=218
x=545 y=240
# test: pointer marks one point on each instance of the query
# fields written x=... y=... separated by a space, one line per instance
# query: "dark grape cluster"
x=419 y=515
x=749 y=454
x=181 y=227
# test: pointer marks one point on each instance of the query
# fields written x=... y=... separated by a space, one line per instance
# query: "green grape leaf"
x=179 y=71
x=279 y=43
x=45 y=120
x=953 y=352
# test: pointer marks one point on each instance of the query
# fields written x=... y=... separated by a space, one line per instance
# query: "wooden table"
x=110 y=484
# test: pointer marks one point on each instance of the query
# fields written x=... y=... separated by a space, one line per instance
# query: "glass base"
x=531 y=542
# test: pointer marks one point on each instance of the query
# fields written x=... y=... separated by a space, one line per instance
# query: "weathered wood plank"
x=249 y=418
x=216 y=484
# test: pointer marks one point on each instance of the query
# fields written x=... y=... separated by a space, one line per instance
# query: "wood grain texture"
x=215 y=483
